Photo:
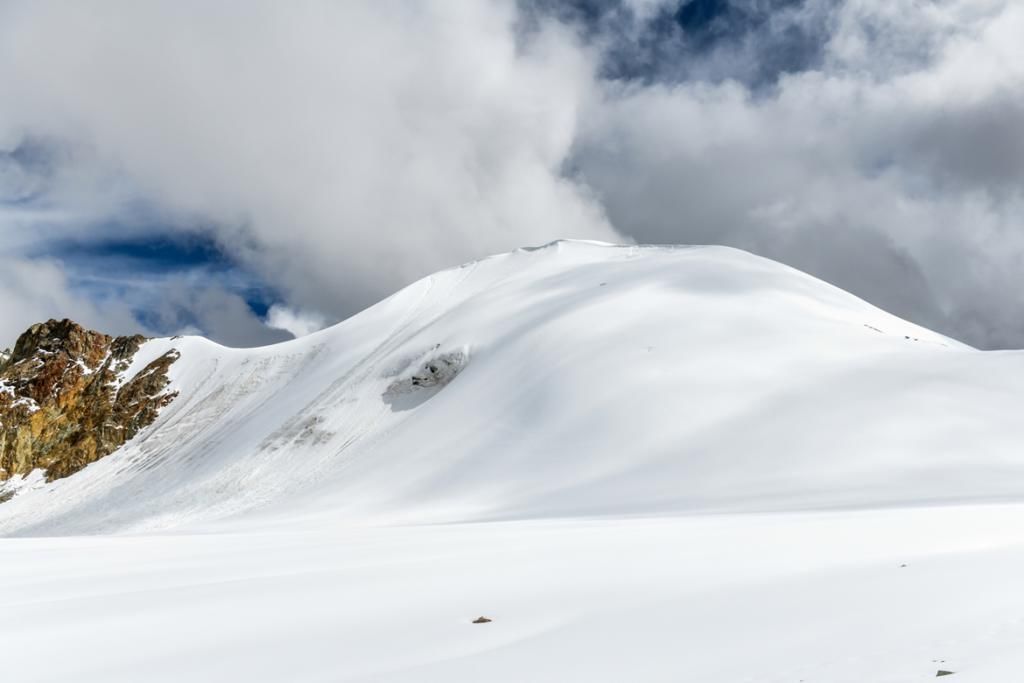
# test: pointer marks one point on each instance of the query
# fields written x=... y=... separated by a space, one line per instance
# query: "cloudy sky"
x=254 y=170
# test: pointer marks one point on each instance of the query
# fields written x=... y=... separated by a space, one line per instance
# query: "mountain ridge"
x=587 y=379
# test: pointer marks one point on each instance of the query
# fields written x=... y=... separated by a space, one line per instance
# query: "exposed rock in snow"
x=425 y=378
x=67 y=399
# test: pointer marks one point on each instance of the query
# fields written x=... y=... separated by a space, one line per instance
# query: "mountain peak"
x=63 y=336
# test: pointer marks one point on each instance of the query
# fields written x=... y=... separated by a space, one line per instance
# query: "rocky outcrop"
x=69 y=396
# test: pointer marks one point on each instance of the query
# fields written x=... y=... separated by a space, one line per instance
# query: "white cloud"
x=298 y=323
x=34 y=290
x=341 y=149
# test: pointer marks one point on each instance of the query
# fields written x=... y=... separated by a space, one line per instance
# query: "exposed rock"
x=65 y=399
x=482 y=620
x=438 y=371
x=427 y=378
x=943 y=672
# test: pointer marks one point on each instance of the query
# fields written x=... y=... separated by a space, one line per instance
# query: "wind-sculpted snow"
x=636 y=463
x=603 y=381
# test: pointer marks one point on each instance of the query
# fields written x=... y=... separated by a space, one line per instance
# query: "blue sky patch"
x=142 y=270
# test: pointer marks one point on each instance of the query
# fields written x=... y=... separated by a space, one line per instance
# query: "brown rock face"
x=65 y=402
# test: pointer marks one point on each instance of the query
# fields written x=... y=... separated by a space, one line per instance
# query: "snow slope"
x=646 y=463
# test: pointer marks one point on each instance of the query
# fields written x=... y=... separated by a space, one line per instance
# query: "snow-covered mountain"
x=644 y=463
